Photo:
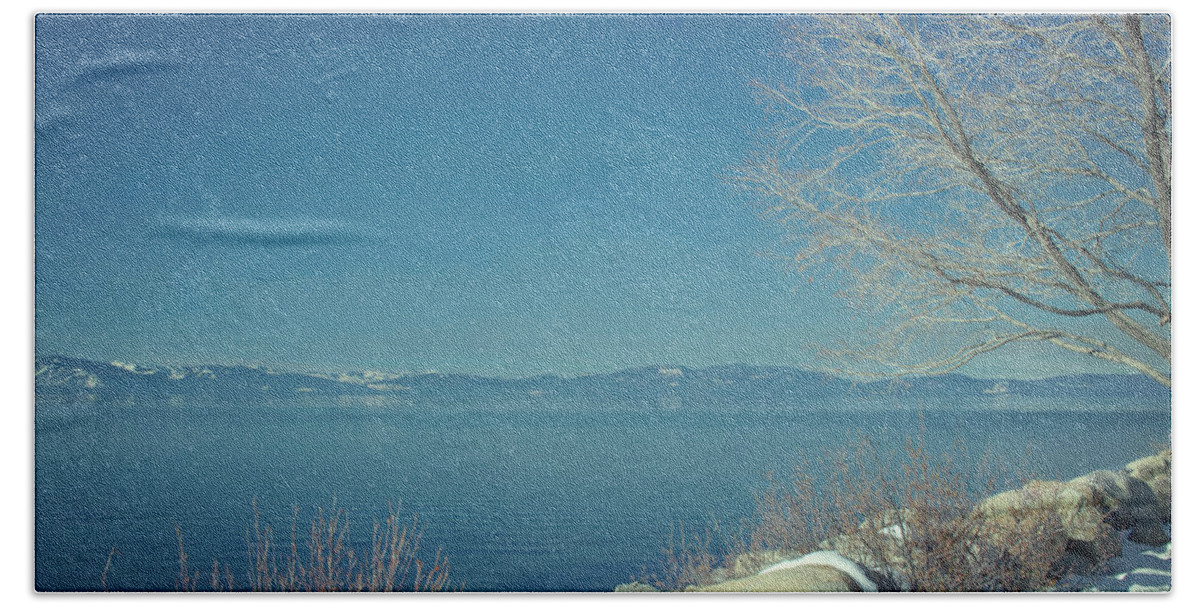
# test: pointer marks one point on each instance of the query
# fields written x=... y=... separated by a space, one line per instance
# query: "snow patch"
x=834 y=560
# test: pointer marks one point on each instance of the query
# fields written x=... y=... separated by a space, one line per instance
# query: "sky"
x=496 y=195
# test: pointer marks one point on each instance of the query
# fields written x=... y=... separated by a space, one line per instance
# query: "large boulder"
x=1076 y=509
x=749 y=564
x=801 y=579
x=1051 y=521
x=1156 y=472
x=1128 y=503
x=823 y=571
x=636 y=587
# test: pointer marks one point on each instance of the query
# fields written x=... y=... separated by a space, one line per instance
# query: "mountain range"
x=656 y=387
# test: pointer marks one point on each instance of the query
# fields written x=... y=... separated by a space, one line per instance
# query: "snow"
x=1139 y=568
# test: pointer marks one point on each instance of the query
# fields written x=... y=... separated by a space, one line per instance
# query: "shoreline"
x=1106 y=531
x=1140 y=568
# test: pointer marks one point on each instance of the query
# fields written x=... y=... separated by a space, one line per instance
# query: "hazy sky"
x=493 y=195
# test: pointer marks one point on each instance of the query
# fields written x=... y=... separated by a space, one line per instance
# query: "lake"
x=518 y=500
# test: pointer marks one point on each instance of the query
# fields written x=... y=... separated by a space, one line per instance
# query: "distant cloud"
x=262 y=232
x=126 y=63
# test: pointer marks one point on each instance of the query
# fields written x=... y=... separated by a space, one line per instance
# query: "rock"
x=1149 y=534
x=636 y=587
x=1128 y=503
x=823 y=571
x=1087 y=558
x=1064 y=523
x=1156 y=472
x=749 y=564
x=1076 y=509
x=802 y=579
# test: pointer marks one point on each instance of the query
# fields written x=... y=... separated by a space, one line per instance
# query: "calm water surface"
x=519 y=500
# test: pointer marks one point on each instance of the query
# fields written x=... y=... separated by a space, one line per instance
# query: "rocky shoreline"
x=1104 y=531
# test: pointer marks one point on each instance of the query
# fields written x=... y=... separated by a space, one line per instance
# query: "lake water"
x=521 y=500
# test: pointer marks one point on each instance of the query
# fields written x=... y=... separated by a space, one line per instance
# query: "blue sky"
x=493 y=195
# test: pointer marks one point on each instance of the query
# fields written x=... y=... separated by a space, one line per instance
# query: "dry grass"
x=908 y=515
x=688 y=559
x=107 y=567
x=322 y=558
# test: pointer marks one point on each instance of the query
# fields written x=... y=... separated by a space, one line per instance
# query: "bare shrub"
x=325 y=560
x=687 y=560
x=910 y=516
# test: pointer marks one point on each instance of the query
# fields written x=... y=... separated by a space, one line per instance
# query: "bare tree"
x=985 y=180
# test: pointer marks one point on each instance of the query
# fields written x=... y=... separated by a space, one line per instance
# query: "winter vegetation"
x=981 y=181
x=324 y=558
x=861 y=520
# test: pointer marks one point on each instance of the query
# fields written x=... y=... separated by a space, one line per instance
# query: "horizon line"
x=864 y=379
